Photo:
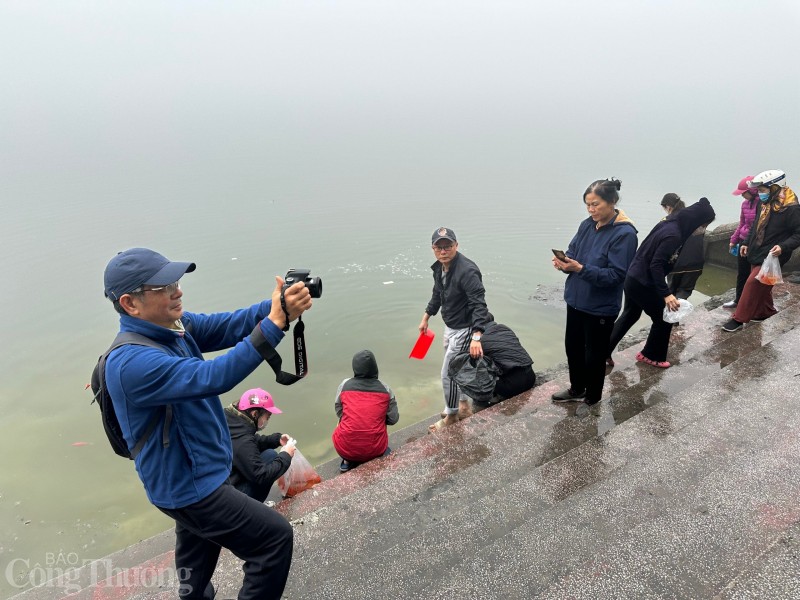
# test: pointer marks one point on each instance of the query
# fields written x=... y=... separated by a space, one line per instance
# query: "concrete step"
x=585 y=524
x=466 y=449
x=686 y=513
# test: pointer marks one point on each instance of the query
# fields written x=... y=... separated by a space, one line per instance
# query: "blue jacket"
x=142 y=380
x=605 y=254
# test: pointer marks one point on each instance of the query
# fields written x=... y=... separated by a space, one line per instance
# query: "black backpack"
x=103 y=399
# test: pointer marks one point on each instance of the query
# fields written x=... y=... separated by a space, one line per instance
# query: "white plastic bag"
x=770 y=272
x=674 y=316
x=299 y=476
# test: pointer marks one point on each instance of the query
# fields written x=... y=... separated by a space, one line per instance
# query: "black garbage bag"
x=475 y=376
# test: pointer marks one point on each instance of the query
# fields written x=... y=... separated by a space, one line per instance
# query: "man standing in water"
x=458 y=291
x=172 y=392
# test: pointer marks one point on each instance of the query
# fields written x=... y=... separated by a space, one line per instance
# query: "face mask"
x=763 y=196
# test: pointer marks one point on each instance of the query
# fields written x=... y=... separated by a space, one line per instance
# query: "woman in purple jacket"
x=739 y=237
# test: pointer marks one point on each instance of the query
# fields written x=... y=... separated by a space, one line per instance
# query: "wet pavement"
x=681 y=483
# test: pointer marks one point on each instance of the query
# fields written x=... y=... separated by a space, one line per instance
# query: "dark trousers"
x=742 y=273
x=253 y=489
x=586 y=342
x=258 y=535
x=638 y=298
x=515 y=381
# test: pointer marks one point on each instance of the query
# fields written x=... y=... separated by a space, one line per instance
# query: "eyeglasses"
x=169 y=289
x=442 y=248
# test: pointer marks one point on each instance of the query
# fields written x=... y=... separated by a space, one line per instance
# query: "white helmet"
x=768 y=178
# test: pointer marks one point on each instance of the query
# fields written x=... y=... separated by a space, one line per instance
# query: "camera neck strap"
x=274 y=360
x=300 y=358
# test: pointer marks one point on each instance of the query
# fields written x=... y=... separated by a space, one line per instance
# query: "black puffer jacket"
x=501 y=344
x=462 y=297
x=247 y=449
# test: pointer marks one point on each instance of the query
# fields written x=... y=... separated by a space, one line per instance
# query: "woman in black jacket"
x=256 y=463
x=689 y=266
x=646 y=287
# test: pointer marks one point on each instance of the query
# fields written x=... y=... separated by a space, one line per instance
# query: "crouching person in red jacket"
x=365 y=406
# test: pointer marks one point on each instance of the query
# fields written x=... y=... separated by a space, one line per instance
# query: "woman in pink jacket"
x=746 y=217
x=365 y=406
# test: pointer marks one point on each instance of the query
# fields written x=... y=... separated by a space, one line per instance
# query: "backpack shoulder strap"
x=99 y=385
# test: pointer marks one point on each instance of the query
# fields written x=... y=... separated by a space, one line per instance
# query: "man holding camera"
x=458 y=291
x=172 y=392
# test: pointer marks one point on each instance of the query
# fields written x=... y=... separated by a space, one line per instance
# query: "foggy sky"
x=443 y=95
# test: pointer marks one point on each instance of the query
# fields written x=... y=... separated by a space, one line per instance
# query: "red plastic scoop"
x=424 y=342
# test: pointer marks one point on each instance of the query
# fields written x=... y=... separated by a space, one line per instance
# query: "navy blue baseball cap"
x=443 y=233
x=136 y=267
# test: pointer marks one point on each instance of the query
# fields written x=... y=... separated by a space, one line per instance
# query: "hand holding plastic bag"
x=770 y=272
x=299 y=476
x=674 y=316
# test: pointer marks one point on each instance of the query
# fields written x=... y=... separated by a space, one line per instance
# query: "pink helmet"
x=745 y=186
x=258 y=398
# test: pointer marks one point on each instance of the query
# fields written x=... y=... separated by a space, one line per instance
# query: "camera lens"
x=314 y=285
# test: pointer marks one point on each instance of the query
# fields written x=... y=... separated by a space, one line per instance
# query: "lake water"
x=253 y=139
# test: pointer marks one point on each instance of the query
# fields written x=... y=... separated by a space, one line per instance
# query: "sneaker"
x=731 y=304
x=758 y=319
x=732 y=325
x=344 y=466
x=568 y=395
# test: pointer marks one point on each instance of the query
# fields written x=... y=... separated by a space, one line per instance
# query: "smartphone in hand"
x=559 y=254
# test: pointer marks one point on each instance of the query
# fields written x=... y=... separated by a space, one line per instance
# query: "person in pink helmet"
x=747 y=215
x=258 y=460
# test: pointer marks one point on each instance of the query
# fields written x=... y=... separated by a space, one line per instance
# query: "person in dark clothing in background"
x=256 y=464
x=689 y=266
x=646 y=286
x=365 y=406
x=501 y=344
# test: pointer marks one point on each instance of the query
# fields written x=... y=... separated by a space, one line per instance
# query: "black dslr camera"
x=314 y=284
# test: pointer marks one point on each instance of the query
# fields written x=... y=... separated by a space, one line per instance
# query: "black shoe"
x=732 y=325
x=758 y=319
x=568 y=395
x=344 y=466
